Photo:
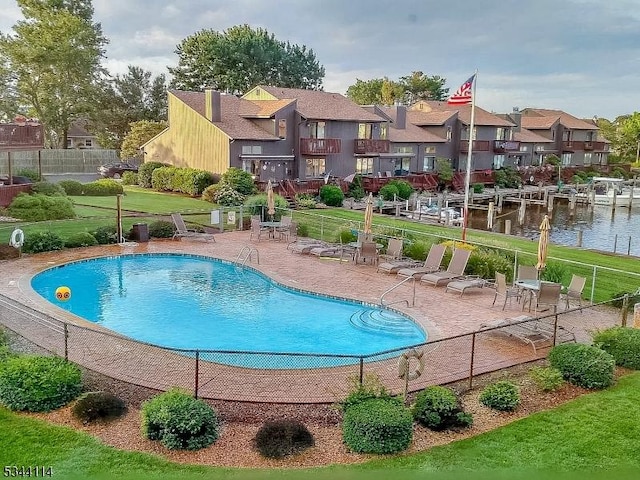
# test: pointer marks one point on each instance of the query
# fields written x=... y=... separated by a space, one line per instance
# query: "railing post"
x=197 y=375
x=625 y=309
x=555 y=328
x=66 y=342
x=361 y=375
x=593 y=283
x=473 y=349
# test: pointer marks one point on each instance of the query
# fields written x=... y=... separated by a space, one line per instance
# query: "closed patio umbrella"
x=543 y=243
x=271 y=205
x=368 y=217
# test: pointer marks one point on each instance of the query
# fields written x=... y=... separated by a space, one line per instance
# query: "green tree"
x=140 y=133
x=55 y=55
x=240 y=58
x=129 y=98
x=628 y=137
x=367 y=92
x=419 y=86
x=405 y=91
x=9 y=105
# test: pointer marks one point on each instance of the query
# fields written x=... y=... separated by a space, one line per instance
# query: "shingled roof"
x=567 y=120
x=318 y=105
x=527 y=136
x=482 y=117
x=232 y=123
x=411 y=133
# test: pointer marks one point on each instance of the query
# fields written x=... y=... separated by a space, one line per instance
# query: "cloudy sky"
x=581 y=56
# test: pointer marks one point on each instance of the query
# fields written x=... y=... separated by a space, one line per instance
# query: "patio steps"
x=382 y=321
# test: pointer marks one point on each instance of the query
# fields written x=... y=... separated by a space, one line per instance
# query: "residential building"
x=79 y=137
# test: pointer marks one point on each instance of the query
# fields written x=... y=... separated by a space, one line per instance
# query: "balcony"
x=368 y=145
x=319 y=146
x=599 y=146
x=21 y=137
x=573 y=145
x=505 y=146
x=478 y=145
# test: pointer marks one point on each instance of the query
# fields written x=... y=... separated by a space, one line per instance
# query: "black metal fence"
x=294 y=377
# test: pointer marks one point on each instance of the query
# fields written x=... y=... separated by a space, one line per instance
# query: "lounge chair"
x=455 y=269
x=183 y=232
x=574 y=290
x=431 y=264
x=534 y=332
x=465 y=283
x=394 y=250
x=304 y=246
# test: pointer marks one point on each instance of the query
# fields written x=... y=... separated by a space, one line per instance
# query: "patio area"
x=441 y=314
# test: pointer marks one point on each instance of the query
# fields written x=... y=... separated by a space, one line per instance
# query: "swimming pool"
x=194 y=302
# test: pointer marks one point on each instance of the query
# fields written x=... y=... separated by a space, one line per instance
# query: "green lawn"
x=594 y=436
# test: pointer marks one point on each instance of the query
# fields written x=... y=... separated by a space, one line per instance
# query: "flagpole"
x=467 y=178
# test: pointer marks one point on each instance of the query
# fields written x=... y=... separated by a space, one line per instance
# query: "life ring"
x=404 y=362
x=17 y=238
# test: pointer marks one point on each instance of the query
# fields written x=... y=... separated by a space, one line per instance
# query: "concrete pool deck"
x=440 y=313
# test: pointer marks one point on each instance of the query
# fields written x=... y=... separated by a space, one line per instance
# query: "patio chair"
x=527 y=272
x=290 y=231
x=455 y=269
x=548 y=296
x=183 y=232
x=431 y=264
x=394 y=250
x=367 y=253
x=532 y=331
x=574 y=290
x=505 y=290
x=256 y=229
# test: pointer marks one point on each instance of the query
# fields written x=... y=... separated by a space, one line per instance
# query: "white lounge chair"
x=183 y=232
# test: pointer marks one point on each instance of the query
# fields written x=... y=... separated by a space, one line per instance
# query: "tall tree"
x=240 y=58
x=9 y=105
x=125 y=99
x=419 y=86
x=405 y=91
x=55 y=55
x=140 y=133
x=366 y=92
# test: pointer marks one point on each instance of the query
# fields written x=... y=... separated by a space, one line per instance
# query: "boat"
x=442 y=215
x=608 y=188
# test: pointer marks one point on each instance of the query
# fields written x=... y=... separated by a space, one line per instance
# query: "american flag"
x=463 y=94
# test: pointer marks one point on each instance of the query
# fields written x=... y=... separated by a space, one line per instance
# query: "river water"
x=603 y=227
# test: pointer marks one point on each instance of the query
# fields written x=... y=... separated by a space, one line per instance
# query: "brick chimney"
x=401 y=117
x=212 y=105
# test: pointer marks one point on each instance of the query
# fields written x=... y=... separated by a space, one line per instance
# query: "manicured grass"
x=597 y=433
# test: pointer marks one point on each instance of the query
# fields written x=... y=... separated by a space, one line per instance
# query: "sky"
x=580 y=56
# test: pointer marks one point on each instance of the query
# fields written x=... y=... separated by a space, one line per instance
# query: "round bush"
x=145 y=171
x=223 y=194
x=179 y=421
x=389 y=192
x=48 y=188
x=129 y=178
x=503 y=396
x=37 y=242
x=161 y=229
x=404 y=188
x=377 y=425
x=331 y=195
x=81 y=239
x=93 y=406
x=38 y=207
x=623 y=343
x=257 y=205
x=281 y=438
x=103 y=188
x=106 y=234
x=437 y=408
x=38 y=384
x=547 y=379
x=71 y=187
x=239 y=180
x=583 y=365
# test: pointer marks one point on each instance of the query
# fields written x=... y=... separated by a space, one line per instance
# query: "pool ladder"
x=413 y=299
x=246 y=254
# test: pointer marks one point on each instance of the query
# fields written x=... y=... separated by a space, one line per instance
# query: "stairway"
x=383 y=321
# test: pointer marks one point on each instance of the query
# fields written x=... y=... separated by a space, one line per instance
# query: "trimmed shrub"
x=438 y=408
x=130 y=178
x=161 y=229
x=502 y=395
x=145 y=171
x=81 y=239
x=281 y=438
x=103 y=188
x=239 y=180
x=404 y=188
x=92 y=406
x=37 y=242
x=106 y=234
x=305 y=200
x=331 y=195
x=377 y=425
x=507 y=177
x=38 y=207
x=38 y=384
x=389 y=191
x=485 y=263
x=257 y=205
x=622 y=343
x=371 y=387
x=72 y=187
x=347 y=236
x=583 y=365
x=478 y=188
x=223 y=194
x=179 y=421
x=48 y=188
x=162 y=178
x=547 y=379
x=30 y=173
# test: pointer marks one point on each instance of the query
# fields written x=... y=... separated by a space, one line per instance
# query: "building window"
x=428 y=164
x=315 y=167
x=403 y=166
x=282 y=128
x=501 y=133
x=566 y=159
x=364 y=165
x=317 y=129
x=448 y=133
x=524 y=148
x=68 y=143
x=588 y=158
x=252 y=150
x=566 y=136
x=498 y=161
x=384 y=131
x=430 y=149
x=404 y=149
x=252 y=166
x=365 y=130
x=88 y=142
x=465 y=133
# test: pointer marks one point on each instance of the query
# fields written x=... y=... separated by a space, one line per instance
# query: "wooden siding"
x=190 y=141
x=258 y=93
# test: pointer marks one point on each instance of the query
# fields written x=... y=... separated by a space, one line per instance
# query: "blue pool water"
x=193 y=302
